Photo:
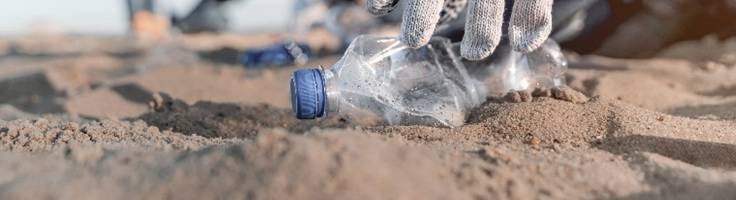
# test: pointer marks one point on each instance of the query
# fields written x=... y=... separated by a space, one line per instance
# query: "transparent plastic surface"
x=380 y=79
x=507 y=70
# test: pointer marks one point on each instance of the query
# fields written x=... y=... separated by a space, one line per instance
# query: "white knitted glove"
x=530 y=23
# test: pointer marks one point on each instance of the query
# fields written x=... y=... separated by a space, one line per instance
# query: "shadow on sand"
x=698 y=153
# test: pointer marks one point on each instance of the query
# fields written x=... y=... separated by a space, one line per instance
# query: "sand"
x=94 y=123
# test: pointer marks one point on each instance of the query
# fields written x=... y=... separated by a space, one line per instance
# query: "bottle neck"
x=333 y=93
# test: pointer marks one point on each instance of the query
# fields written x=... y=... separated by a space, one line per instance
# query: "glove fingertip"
x=531 y=24
x=482 y=29
x=415 y=40
x=525 y=47
x=526 y=40
x=470 y=51
x=419 y=22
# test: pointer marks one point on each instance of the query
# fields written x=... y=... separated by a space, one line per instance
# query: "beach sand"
x=106 y=118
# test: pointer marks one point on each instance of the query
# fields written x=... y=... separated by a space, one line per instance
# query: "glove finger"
x=531 y=24
x=483 y=28
x=419 y=21
x=381 y=7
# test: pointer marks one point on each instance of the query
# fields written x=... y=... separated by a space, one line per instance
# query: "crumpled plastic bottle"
x=507 y=70
x=381 y=81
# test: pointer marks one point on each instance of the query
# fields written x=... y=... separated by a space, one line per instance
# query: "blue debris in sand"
x=277 y=55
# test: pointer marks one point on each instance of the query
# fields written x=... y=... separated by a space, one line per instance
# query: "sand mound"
x=652 y=129
x=275 y=166
x=587 y=150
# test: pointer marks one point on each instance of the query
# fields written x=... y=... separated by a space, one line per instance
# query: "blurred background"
x=109 y=17
x=106 y=58
x=190 y=99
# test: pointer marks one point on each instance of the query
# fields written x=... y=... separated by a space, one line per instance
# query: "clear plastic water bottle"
x=380 y=80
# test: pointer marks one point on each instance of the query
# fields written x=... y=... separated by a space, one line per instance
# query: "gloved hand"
x=529 y=27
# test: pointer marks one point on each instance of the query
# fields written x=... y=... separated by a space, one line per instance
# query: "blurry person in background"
x=148 y=22
x=207 y=16
x=145 y=22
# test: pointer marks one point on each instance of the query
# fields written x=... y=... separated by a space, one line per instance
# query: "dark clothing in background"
x=207 y=16
x=641 y=28
x=630 y=28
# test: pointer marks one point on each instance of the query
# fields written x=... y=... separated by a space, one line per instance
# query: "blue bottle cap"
x=308 y=96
